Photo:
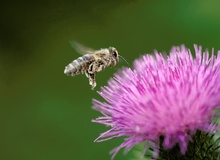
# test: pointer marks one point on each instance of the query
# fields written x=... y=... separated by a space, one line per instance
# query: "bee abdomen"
x=79 y=65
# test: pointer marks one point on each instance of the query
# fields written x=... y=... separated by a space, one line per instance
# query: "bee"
x=92 y=62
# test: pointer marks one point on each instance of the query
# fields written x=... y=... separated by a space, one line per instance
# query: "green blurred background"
x=46 y=115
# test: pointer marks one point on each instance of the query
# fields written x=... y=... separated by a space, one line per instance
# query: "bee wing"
x=81 y=49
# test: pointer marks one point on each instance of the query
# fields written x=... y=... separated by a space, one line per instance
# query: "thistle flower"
x=163 y=96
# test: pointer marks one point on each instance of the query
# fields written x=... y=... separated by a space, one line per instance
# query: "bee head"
x=114 y=55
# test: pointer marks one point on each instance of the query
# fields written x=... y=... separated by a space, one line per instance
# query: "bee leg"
x=92 y=68
x=101 y=66
x=97 y=66
x=91 y=77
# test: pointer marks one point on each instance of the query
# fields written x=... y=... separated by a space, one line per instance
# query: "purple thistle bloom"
x=171 y=96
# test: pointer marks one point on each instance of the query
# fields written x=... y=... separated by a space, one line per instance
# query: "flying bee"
x=92 y=62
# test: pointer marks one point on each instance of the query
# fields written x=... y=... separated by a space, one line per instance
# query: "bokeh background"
x=46 y=115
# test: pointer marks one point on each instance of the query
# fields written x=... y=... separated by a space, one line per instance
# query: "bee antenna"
x=124 y=60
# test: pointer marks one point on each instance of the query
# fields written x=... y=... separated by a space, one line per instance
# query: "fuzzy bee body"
x=80 y=65
x=92 y=62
